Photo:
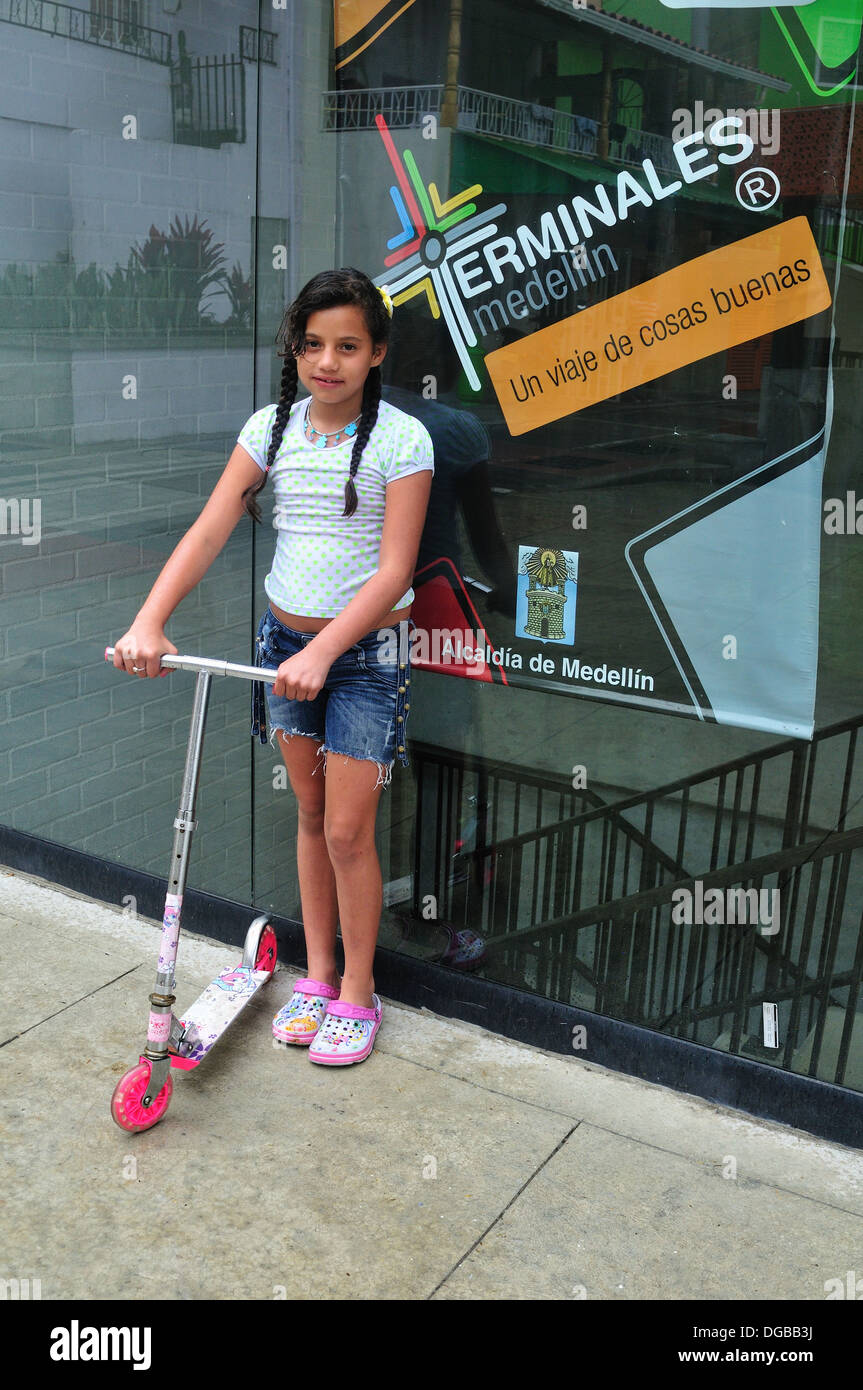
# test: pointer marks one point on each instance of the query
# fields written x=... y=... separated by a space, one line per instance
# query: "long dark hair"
x=328 y=290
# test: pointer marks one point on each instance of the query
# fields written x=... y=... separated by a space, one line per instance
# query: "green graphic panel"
x=824 y=38
x=833 y=29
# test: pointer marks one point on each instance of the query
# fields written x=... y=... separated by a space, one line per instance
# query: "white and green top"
x=322 y=558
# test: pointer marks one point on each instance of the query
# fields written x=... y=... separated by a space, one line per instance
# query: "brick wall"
x=89 y=757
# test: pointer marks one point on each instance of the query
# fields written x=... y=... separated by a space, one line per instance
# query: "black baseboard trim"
x=830 y=1112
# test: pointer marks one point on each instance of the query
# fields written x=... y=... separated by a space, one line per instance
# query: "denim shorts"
x=361 y=711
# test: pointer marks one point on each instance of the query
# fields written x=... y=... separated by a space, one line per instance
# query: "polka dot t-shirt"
x=322 y=558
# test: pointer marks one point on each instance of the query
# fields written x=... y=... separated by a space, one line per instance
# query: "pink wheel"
x=126 y=1108
x=267 y=951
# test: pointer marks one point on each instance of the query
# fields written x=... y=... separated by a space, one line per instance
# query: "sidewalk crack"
x=501 y=1214
x=57 y=1012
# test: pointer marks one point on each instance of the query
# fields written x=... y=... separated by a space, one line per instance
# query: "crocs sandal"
x=347 y=1034
x=299 y=1020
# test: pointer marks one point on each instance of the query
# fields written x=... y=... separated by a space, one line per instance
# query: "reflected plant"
x=16 y=296
x=175 y=273
x=17 y=280
x=121 y=300
x=36 y=297
x=87 y=300
x=238 y=288
x=166 y=283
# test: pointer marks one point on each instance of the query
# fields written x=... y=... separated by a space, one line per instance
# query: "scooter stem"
x=162 y=998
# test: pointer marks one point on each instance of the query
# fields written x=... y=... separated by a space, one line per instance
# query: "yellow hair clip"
x=388 y=304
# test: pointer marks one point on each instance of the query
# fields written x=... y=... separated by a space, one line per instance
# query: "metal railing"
x=638 y=959
x=122 y=34
x=257 y=45
x=401 y=107
x=574 y=896
x=525 y=122
x=827 y=227
x=594 y=852
x=208 y=100
x=637 y=145
x=552 y=844
x=847 y=358
x=488 y=114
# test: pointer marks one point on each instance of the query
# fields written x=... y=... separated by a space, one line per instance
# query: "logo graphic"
x=432 y=234
x=547 y=584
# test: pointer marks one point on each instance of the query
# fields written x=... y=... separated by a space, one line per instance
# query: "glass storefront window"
x=624 y=247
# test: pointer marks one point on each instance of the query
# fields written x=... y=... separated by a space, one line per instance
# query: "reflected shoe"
x=298 y=1021
x=465 y=950
x=347 y=1034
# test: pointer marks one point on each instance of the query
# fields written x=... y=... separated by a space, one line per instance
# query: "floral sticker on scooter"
x=170 y=933
x=238 y=981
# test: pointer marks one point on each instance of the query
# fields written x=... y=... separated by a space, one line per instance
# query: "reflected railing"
x=258 y=45
x=401 y=107
x=839 y=236
x=208 y=101
x=784 y=931
x=486 y=113
x=574 y=897
x=88 y=26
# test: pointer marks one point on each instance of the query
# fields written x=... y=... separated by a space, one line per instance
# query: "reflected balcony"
x=484 y=113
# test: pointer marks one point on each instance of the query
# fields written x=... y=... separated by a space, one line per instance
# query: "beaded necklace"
x=322 y=439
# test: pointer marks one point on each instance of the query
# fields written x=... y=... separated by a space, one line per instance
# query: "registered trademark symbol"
x=757 y=189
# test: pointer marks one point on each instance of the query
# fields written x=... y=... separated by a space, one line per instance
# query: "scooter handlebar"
x=215 y=668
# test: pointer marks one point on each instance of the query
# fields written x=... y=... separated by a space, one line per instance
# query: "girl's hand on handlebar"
x=301 y=677
x=140 y=651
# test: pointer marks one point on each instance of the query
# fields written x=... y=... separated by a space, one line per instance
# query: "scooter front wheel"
x=126 y=1108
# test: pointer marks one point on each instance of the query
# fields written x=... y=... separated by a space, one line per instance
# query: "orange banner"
x=729 y=296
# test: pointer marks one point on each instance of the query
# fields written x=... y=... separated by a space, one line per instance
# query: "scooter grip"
x=109 y=656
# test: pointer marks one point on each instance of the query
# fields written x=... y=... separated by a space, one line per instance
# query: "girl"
x=351 y=476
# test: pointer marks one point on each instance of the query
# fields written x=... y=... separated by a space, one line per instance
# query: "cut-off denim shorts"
x=361 y=711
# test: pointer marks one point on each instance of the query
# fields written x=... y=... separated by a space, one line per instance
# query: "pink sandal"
x=347 y=1034
x=298 y=1021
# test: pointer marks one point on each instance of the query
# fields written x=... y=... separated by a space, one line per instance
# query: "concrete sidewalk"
x=453 y=1164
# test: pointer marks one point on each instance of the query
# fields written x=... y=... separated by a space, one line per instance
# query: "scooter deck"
x=213 y=1011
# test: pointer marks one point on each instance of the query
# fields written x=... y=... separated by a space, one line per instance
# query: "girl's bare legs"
x=352 y=796
x=314 y=869
x=337 y=863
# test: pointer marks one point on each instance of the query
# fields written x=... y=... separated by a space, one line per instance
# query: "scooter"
x=142 y=1096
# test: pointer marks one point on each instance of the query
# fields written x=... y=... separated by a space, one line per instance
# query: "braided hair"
x=329 y=290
